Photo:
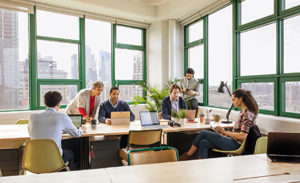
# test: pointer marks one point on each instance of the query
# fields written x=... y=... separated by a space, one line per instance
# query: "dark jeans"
x=123 y=141
x=68 y=156
x=206 y=140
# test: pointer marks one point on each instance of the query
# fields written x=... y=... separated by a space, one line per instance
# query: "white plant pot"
x=182 y=121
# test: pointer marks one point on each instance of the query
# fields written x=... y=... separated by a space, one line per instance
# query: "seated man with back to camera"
x=113 y=104
x=173 y=102
x=50 y=124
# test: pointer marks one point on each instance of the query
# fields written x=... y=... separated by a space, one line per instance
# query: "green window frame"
x=115 y=45
x=192 y=44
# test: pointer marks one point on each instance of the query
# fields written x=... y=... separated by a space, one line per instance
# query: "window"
x=292 y=97
x=263 y=92
x=129 y=61
x=195 y=31
x=291 y=3
x=255 y=9
x=258 y=51
x=291 y=45
x=14 y=63
x=220 y=56
x=57 y=25
x=196 y=60
x=58 y=53
x=98 y=55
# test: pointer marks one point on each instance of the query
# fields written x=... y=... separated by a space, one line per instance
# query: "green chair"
x=238 y=151
x=42 y=156
x=0 y=173
x=22 y=122
x=261 y=145
x=152 y=155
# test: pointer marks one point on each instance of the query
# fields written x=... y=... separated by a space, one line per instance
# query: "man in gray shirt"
x=190 y=89
x=50 y=124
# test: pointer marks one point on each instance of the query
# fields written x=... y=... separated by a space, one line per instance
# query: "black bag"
x=253 y=135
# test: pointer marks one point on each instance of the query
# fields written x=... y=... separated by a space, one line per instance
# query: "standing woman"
x=226 y=140
x=86 y=101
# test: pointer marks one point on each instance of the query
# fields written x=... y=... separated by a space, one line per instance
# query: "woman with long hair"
x=227 y=140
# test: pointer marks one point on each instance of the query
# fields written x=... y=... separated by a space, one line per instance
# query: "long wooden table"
x=239 y=169
x=12 y=133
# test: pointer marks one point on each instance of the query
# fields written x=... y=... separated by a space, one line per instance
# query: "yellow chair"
x=238 y=151
x=42 y=156
x=152 y=155
x=261 y=145
x=141 y=139
x=0 y=173
x=22 y=122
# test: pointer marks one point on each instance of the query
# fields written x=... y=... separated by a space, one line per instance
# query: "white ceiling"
x=146 y=11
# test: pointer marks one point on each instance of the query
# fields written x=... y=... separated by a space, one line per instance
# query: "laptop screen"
x=149 y=118
x=76 y=120
x=283 y=143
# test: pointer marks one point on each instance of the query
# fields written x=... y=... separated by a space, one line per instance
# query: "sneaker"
x=185 y=157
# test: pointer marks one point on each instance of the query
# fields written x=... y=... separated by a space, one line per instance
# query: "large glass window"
x=291 y=3
x=263 y=92
x=57 y=25
x=98 y=55
x=258 y=51
x=255 y=9
x=53 y=63
x=292 y=97
x=220 y=56
x=129 y=61
x=14 y=64
x=196 y=60
x=195 y=31
x=291 y=45
x=68 y=92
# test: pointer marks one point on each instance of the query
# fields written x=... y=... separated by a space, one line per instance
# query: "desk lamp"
x=220 y=90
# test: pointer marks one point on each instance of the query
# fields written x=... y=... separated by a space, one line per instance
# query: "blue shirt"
x=50 y=124
x=166 y=107
x=106 y=108
x=175 y=104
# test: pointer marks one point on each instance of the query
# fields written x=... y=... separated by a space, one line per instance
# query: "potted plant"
x=175 y=116
x=182 y=115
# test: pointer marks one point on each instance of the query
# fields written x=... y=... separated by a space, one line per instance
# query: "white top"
x=50 y=124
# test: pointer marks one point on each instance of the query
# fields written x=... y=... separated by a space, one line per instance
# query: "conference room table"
x=13 y=134
x=238 y=169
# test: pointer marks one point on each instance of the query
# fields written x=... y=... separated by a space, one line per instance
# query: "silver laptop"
x=284 y=147
x=120 y=118
x=76 y=120
x=150 y=120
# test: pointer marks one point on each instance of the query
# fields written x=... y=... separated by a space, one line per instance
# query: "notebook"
x=284 y=147
x=150 y=120
x=76 y=120
x=120 y=118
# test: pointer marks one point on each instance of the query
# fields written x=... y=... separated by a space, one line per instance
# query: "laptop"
x=150 y=120
x=284 y=147
x=120 y=118
x=191 y=115
x=76 y=120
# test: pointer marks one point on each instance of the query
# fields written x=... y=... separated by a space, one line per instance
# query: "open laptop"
x=120 y=118
x=76 y=120
x=150 y=120
x=284 y=147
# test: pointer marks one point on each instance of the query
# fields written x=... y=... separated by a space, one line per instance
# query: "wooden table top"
x=20 y=132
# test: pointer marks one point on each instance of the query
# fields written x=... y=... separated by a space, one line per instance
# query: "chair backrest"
x=152 y=155
x=22 y=121
x=261 y=145
x=144 y=138
x=42 y=156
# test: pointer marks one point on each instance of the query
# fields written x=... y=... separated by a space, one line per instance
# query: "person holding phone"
x=190 y=89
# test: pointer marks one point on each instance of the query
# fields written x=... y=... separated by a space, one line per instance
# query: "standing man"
x=86 y=102
x=190 y=88
x=113 y=104
x=50 y=124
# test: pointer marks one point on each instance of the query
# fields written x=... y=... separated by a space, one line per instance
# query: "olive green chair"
x=42 y=156
x=261 y=145
x=238 y=151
